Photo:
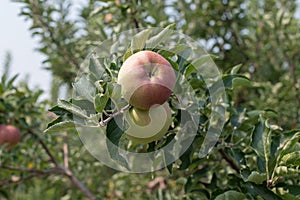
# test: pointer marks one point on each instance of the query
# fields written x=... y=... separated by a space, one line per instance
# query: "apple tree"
x=234 y=108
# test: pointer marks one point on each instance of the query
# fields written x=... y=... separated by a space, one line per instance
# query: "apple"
x=146 y=126
x=146 y=79
x=9 y=134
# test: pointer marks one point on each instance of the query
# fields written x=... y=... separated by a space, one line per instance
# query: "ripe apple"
x=146 y=79
x=9 y=134
x=146 y=126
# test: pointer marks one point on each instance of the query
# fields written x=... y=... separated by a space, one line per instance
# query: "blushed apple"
x=9 y=134
x=146 y=79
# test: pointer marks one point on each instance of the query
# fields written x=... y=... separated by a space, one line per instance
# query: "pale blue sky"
x=15 y=37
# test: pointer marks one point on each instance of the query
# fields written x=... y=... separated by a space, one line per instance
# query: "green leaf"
x=291 y=159
x=95 y=67
x=232 y=81
x=231 y=195
x=287 y=171
x=257 y=139
x=259 y=190
x=188 y=185
x=179 y=48
x=61 y=126
x=115 y=92
x=235 y=69
x=55 y=121
x=113 y=131
x=186 y=158
x=85 y=105
x=101 y=101
x=254 y=113
x=11 y=81
x=256 y=177
x=289 y=144
x=139 y=40
x=4 y=194
x=114 y=134
x=161 y=37
x=72 y=108
x=58 y=110
x=289 y=192
x=197 y=65
x=127 y=54
x=240 y=81
x=84 y=88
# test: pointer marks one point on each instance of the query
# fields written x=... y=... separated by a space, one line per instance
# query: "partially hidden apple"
x=9 y=135
x=146 y=79
x=146 y=126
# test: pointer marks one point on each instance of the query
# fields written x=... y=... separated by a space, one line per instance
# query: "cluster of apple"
x=147 y=80
x=9 y=135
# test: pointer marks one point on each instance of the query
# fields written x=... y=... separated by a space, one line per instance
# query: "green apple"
x=146 y=126
x=146 y=79
x=10 y=135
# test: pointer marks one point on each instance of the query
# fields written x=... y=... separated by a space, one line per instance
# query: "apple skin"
x=146 y=79
x=146 y=126
x=9 y=134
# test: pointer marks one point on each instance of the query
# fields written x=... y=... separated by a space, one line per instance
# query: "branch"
x=69 y=174
x=52 y=158
x=134 y=20
x=35 y=171
x=79 y=185
x=136 y=23
x=232 y=164
x=57 y=170
x=104 y=122
x=12 y=181
x=64 y=170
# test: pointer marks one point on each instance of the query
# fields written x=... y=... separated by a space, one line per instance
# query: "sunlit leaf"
x=60 y=127
x=139 y=40
x=161 y=37
x=291 y=159
x=72 y=108
x=100 y=101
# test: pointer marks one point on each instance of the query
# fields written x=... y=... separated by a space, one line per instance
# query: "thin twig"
x=35 y=171
x=111 y=116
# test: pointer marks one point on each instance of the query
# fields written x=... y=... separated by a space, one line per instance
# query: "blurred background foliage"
x=261 y=35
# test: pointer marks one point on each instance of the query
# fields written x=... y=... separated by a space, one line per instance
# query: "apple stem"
x=113 y=115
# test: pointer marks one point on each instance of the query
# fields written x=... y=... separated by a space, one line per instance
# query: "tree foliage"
x=255 y=45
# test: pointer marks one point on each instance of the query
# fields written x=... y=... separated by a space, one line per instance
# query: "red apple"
x=146 y=79
x=9 y=134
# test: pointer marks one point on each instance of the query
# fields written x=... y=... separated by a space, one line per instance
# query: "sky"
x=16 y=38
